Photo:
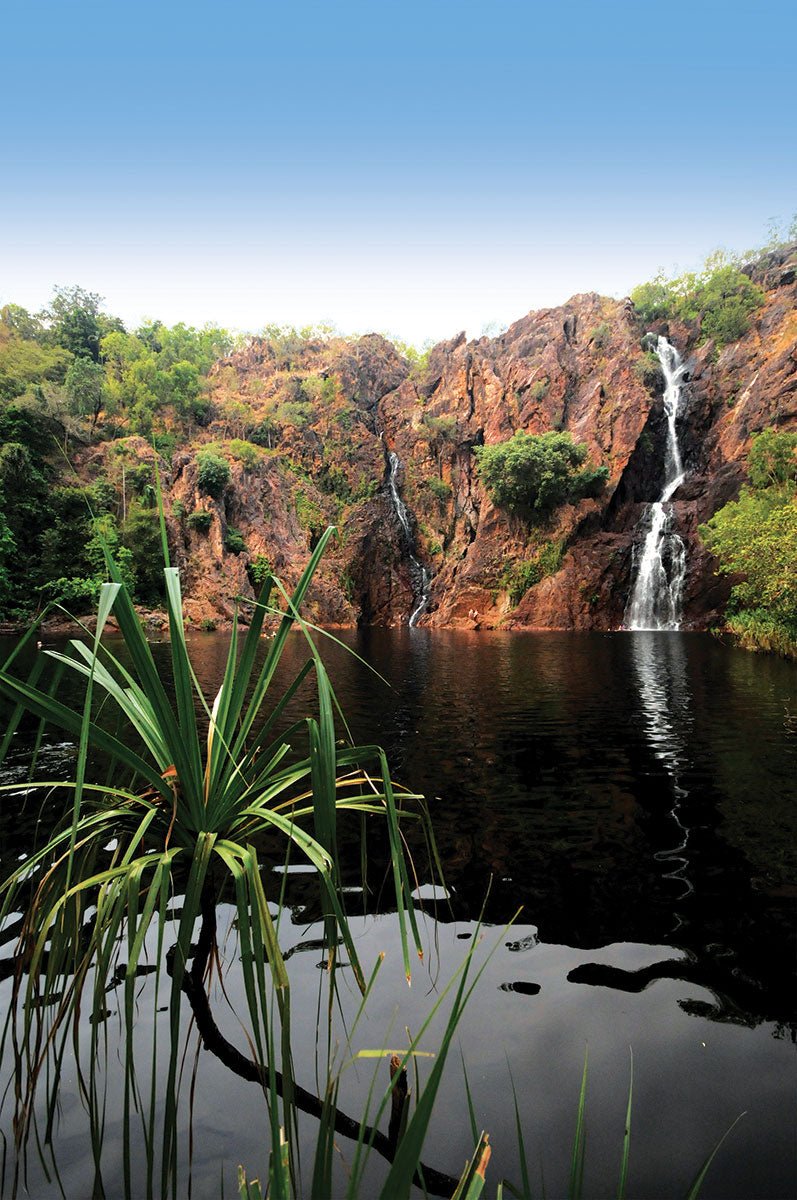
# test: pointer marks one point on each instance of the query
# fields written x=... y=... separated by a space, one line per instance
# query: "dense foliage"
x=533 y=474
x=722 y=297
x=213 y=473
x=519 y=576
x=756 y=537
x=69 y=375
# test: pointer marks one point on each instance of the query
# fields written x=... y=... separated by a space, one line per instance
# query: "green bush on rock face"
x=213 y=473
x=647 y=369
x=439 y=488
x=721 y=296
x=772 y=460
x=233 y=541
x=756 y=537
x=518 y=577
x=200 y=520
x=259 y=570
x=533 y=474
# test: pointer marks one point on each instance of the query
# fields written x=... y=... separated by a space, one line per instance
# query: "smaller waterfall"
x=421 y=576
x=655 y=601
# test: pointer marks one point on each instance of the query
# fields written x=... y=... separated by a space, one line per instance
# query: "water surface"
x=634 y=796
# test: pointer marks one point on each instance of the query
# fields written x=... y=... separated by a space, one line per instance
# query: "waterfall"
x=655 y=601
x=420 y=575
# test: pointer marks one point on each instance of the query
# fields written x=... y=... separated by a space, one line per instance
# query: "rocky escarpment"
x=307 y=428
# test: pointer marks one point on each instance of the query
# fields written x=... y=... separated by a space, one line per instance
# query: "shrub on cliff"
x=213 y=473
x=721 y=296
x=518 y=577
x=200 y=520
x=234 y=541
x=531 y=475
x=756 y=537
x=647 y=369
x=439 y=488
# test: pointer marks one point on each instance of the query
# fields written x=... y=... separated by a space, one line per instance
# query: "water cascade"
x=420 y=575
x=655 y=601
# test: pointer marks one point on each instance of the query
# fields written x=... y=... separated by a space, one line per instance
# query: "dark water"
x=636 y=797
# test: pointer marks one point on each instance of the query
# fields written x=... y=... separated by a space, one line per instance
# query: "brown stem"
x=213 y=1040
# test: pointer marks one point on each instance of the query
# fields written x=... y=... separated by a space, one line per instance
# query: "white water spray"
x=421 y=575
x=656 y=596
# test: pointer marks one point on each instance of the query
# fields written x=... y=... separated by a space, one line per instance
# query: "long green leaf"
x=697 y=1182
x=621 y=1187
x=577 y=1158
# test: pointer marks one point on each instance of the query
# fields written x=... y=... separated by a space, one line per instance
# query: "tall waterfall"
x=655 y=601
x=421 y=576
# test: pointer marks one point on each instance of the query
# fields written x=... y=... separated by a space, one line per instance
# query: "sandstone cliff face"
x=327 y=414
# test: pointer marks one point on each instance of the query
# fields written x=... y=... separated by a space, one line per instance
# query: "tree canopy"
x=722 y=297
x=532 y=474
x=756 y=537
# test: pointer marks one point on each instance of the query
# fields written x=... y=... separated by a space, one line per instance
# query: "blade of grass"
x=472 y=1181
x=577 y=1161
x=621 y=1187
x=697 y=1182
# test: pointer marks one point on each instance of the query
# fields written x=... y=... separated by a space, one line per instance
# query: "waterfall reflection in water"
x=564 y=774
x=660 y=667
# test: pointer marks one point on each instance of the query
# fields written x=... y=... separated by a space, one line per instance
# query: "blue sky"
x=414 y=168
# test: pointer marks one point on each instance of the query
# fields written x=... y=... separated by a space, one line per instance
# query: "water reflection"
x=633 y=793
x=660 y=666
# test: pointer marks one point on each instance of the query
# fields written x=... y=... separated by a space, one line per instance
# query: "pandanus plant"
x=195 y=783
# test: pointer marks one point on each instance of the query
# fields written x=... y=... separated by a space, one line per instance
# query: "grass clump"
x=200 y=520
x=647 y=369
x=439 y=488
x=519 y=576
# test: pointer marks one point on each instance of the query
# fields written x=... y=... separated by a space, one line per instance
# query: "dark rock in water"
x=520 y=985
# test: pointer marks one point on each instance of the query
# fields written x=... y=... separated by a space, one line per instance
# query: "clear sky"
x=416 y=168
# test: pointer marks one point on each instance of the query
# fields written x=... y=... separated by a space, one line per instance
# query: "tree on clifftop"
x=77 y=323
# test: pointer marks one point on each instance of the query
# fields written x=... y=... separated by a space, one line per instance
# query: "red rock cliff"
x=326 y=413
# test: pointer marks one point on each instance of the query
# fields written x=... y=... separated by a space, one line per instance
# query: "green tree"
x=533 y=474
x=772 y=460
x=183 y=389
x=654 y=300
x=213 y=473
x=24 y=364
x=721 y=296
x=85 y=387
x=18 y=322
x=77 y=322
x=756 y=537
x=7 y=548
x=141 y=540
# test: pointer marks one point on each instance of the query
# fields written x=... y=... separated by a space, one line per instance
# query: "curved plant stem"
x=193 y=986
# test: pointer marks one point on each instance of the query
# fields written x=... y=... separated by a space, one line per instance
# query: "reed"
x=195 y=784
